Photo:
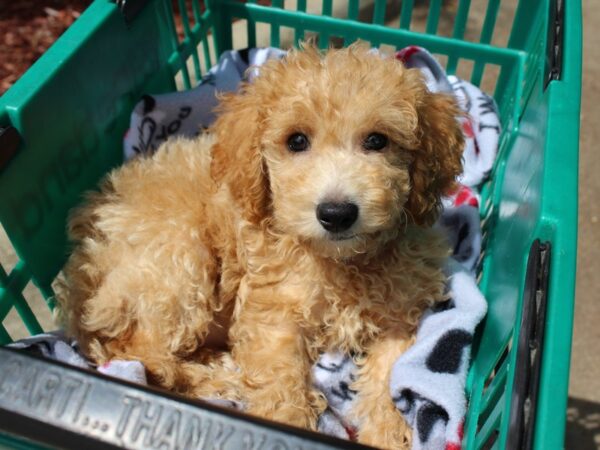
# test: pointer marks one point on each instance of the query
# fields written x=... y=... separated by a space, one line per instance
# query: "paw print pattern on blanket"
x=333 y=375
x=428 y=381
x=431 y=418
x=463 y=228
x=447 y=353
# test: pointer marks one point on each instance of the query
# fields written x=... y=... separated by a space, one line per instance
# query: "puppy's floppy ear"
x=236 y=154
x=438 y=159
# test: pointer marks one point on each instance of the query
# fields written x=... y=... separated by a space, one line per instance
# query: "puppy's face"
x=337 y=147
x=340 y=141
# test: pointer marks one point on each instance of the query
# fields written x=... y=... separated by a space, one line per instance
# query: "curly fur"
x=216 y=241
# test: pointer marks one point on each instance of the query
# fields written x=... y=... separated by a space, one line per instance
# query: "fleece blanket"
x=427 y=382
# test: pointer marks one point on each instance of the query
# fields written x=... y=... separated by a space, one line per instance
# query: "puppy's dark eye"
x=298 y=142
x=375 y=141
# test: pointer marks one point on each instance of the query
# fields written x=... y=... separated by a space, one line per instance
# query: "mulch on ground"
x=29 y=28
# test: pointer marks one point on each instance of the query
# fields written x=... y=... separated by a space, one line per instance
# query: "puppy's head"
x=340 y=150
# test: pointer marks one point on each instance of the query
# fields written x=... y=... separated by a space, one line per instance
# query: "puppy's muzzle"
x=337 y=217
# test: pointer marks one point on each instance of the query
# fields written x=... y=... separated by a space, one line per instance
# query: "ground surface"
x=28 y=26
x=583 y=428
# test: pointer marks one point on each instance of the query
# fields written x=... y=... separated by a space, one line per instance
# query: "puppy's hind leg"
x=155 y=305
x=140 y=283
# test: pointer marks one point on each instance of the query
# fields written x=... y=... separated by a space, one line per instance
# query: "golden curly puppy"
x=302 y=224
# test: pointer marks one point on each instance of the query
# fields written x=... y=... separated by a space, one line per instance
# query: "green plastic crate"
x=62 y=125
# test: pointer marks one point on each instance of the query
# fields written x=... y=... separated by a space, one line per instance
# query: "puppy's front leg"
x=270 y=351
x=381 y=424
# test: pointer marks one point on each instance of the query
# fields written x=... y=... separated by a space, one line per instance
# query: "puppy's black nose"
x=336 y=217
